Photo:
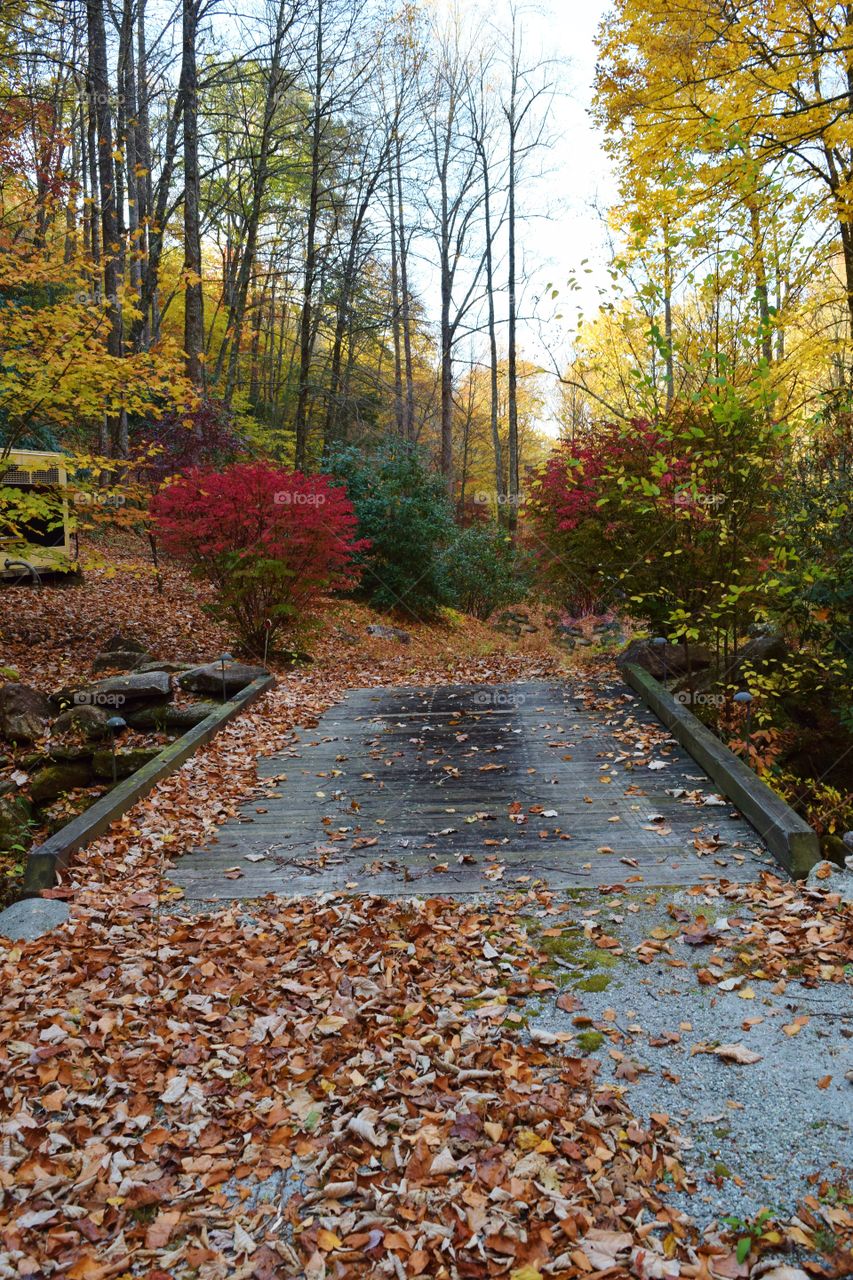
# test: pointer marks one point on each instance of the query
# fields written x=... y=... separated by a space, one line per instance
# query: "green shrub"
x=483 y=571
x=402 y=507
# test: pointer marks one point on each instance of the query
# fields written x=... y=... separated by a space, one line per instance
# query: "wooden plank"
x=47 y=859
x=791 y=839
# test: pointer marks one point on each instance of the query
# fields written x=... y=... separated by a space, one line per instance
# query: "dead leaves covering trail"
x=769 y=929
x=151 y=1070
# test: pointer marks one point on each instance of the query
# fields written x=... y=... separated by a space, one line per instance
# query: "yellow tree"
x=759 y=92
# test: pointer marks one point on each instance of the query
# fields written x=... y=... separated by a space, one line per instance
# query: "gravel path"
x=753 y=1134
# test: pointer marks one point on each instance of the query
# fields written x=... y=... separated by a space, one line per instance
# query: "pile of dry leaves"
x=784 y=930
x=347 y=1054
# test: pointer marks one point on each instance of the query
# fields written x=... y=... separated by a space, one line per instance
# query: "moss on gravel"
x=589 y=1041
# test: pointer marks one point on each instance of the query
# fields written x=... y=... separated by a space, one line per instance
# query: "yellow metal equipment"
x=41 y=543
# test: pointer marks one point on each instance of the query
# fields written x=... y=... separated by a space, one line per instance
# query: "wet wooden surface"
x=465 y=790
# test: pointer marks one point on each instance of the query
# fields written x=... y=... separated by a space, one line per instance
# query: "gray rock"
x=208 y=679
x=89 y=723
x=848 y=840
x=121 y=660
x=388 y=633
x=32 y=918
x=127 y=762
x=117 y=691
x=75 y=732
x=170 y=718
x=763 y=651
x=833 y=879
x=669 y=659
x=124 y=644
x=24 y=713
x=69 y=749
x=171 y=667
x=55 y=779
x=16 y=814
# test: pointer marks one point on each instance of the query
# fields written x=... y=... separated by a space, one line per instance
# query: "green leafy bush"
x=402 y=508
x=483 y=571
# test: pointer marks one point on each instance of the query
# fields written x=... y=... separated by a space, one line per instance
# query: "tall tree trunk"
x=259 y=187
x=306 y=319
x=144 y=186
x=512 y=358
x=99 y=104
x=494 y=394
x=761 y=290
x=669 y=365
x=132 y=168
x=405 y=310
x=395 y=311
x=193 y=292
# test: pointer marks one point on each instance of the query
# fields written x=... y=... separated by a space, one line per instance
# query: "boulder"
x=209 y=679
x=55 y=779
x=168 y=719
x=16 y=814
x=31 y=918
x=24 y=713
x=117 y=691
x=764 y=650
x=67 y=749
x=171 y=667
x=127 y=762
x=89 y=723
x=668 y=658
x=121 y=660
x=833 y=849
x=388 y=633
x=75 y=732
x=124 y=644
x=833 y=879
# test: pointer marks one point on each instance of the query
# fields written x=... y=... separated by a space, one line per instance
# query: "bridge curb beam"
x=792 y=841
x=48 y=859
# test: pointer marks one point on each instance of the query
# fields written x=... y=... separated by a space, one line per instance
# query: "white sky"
x=581 y=184
x=564 y=209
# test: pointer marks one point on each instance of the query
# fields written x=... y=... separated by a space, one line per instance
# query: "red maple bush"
x=270 y=541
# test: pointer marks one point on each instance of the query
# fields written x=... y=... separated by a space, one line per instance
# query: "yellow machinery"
x=41 y=544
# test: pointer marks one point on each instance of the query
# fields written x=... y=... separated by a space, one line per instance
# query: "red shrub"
x=271 y=541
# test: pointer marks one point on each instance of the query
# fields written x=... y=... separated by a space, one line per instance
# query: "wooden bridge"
x=470 y=789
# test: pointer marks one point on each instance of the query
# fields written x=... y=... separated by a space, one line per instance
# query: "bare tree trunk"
x=761 y=290
x=99 y=106
x=494 y=395
x=134 y=179
x=512 y=358
x=306 y=319
x=395 y=314
x=193 y=292
x=144 y=187
x=669 y=365
x=405 y=310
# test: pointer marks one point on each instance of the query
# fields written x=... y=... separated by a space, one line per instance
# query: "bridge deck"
x=465 y=789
